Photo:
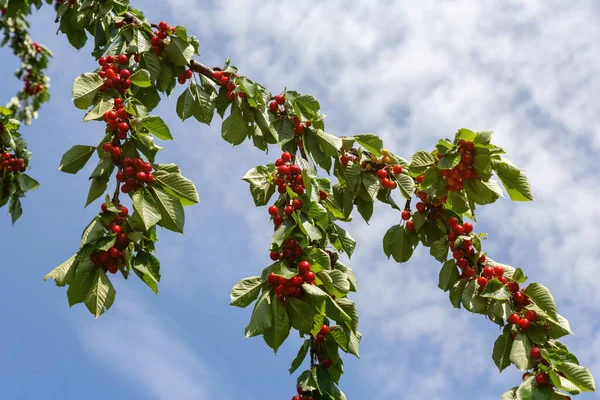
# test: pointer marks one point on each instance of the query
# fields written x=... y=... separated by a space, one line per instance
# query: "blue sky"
x=412 y=73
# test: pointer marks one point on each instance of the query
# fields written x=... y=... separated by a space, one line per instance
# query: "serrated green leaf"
x=76 y=158
x=245 y=291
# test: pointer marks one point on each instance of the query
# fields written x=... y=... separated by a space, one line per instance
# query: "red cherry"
x=524 y=324
x=289 y=210
x=124 y=211
x=147 y=167
x=283 y=170
x=324 y=330
x=410 y=226
x=116 y=152
x=304 y=267
x=274 y=255
x=282 y=188
x=344 y=160
x=114 y=252
x=452 y=221
x=299 y=390
x=124 y=74
x=116 y=229
x=462 y=263
x=535 y=353
x=279 y=99
x=457 y=254
x=296 y=170
x=297 y=204
x=518 y=298
x=397 y=169
x=286 y=157
x=481 y=281
x=323 y=195
x=120 y=176
x=291 y=243
x=123 y=127
x=123 y=59
x=541 y=379
x=451 y=237
x=406 y=215
x=513 y=286
x=420 y=207
x=531 y=315
x=149 y=178
x=498 y=271
x=382 y=173
x=107 y=147
x=181 y=79
x=481 y=259
x=104 y=207
x=468 y=227
x=102 y=61
x=458 y=229
x=278 y=220
x=469 y=272
x=514 y=318
x=309 y=277
x=141 y=176
x=488 y=271
x=279 y=290
x=273 y=210
x=273 y=106
x=273 y=279
x=218 y=75
x=326 y=363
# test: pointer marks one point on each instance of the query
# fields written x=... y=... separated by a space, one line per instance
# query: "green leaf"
x=141 y=78
x=496 y=290
x=171 y=210
x=519 y=353
x=406 y=184
x=563 y=383
x=421 y=161
x=157 y=127
x=262 y=316
x=92 y=232
x=27 y=183
x=85 y=88
x=145 y=206
x=101 y=295
x=179 y=51
x=529 y=390
x=541 y=296
x=580 y=376
x=186 y=104
x=370 y=142
x=398 y=244
x=470 y=299
x=519 y=276
x=449 y=161
x=300 y=357
x=482 y=192
x=280 y=329
x=204 y=109
x=448 y=275
x=261 y=187
x=97 y=188
x=76 y=158
x=105 y=104
x=456 y=292
x=301 y=314
x=502 y=350
x=439 y=250
x=235 y=128
x=514 y=180
x=64 y=273
x=147 y=268
x=82 y=282
x=245 y=291
x=348 y=243
x=179 y=186
x=330 y=144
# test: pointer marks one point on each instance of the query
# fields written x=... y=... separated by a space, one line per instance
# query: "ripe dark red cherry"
x=107 y=147
x=481 y=281
x=541 y=379
x=462 y=263
x=326 y=363
x=531 y=315
x=291 y=243
x=410 y=226
x=488 y=272
x=288 y=210
x=114 y=252
x=304 y=267
x=279 y=99
x=498 y=271
x=299 y=390
x=535 y=353
x=406 y=215
x=524 y=324
x=274 y=255
x=309 y=277
x=297 y=204
x=273 y=210
x=452 y=221
x=518 y=298
x=286 y=157
x=116 y=152
x=420 y=207
x=382 y=173
x=296 y=398
x=468 y=227
x=141 y=176
x=397 y=169
x=324 y=330
x=273 y=106
x=513 y=286
x=273 y=279
x=116 y=229
x=469 y=272
x=458 y=229
x=122 y=59
x=514 y=318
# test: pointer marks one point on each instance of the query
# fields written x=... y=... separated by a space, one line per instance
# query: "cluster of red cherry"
x=117 y=119
x=324 y=361
x=225 y=79
x=291 y=249
x=434 y=208
x=33 y=84
x=114 y=77
x=347 y=157
x=292 y=286
x=182 y=79
x=10 y=163
x=135 y=174
x=464 y=170
x=160 y=34
x=107 y=259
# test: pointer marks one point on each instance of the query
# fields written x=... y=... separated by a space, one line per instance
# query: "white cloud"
x=149 y=351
